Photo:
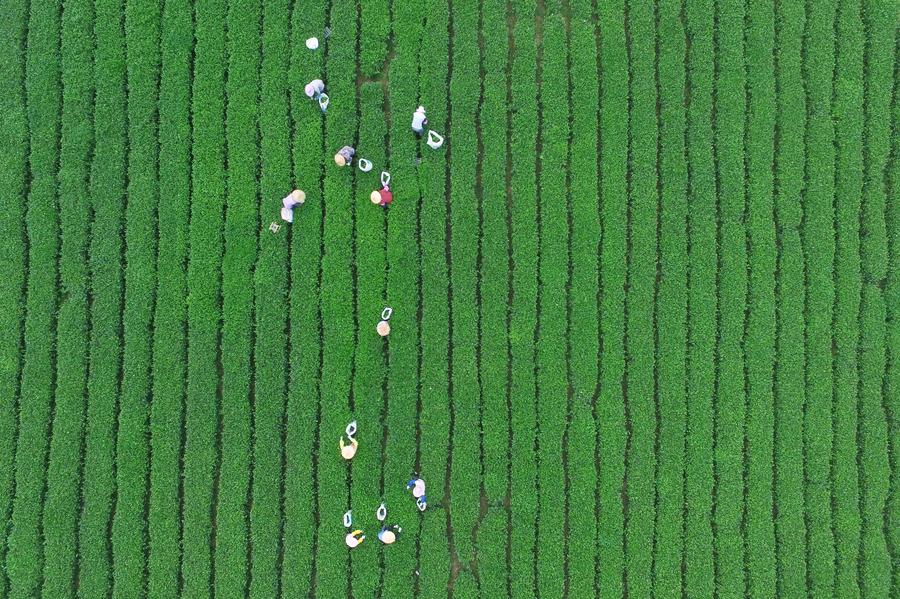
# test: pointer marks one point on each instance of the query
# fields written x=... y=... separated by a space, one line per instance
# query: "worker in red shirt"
x=382 y=197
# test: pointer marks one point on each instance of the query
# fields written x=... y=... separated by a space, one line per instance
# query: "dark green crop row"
x=170 y=331
x=493 y=277
x=583 y=328
x=671 y=306
x=304 y=385
x=817 y=237
x=640 y=158
x=847 y=112
x=374 y=35
x=610 y=412
x=338 y=312
x=129 y=532
x=790 y=392
x=874 y=455
x=204 y=303
x=402 y=294
x=64 y=469
x=241 y=225
x=463 y=216
x=434 y=417
x=369 y=376
x=270 y=295
x=553 y=262
x=699 y=575
x=730 y=97
x=759 y=344
x=523 y=316
x=13 y=178
x=107 y=189
x=892 y=304
x=25 y=557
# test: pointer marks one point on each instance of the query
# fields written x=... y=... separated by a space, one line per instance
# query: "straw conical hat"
x=388 y=537
x=375 y=197
x=340 y=160
x=383 y=328
x=299 y=195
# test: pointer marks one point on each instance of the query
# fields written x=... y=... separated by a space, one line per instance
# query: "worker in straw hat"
x=355 y=538
x=348 y=450
x=389 y=534
x=296 y=197
x=344 y=157
x=383 y=197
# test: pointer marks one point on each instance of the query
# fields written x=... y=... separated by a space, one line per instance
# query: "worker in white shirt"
x=314 y=89
x=419 y=121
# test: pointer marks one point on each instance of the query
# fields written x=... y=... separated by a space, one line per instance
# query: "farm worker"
x=383 y=328
x=417 y=485
x=348 y=451
x=344 y=156
x=354 y=538
x=389 y=534
x=419 y=121
x=315 y=88
x=287 y=204
x=382 y=197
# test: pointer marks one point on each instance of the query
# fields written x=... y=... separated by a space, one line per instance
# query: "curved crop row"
x=584 y=327
x=170 y=338
x=641 y=185
x=64 y=468
x=523 y=317
x=369 y=376
x=204 y=308
x=304 y=385
x=699 y=575
x=790 y=394
x=732 y=284
x=759 y=343
x=336 y=291
x=129 y=534
x=671 y=307
x=817 y=236
x=847 y=112
x=107 y=189
x=271 y=289
x=610 y=413
x=24 y=560
x=434 y=418
x=13 y=169
x=403 y=295
x=241 y=93
x=879 y=69
x=552 y=273
x=463 y=215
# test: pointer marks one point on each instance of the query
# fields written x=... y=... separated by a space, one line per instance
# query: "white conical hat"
x=312 y=43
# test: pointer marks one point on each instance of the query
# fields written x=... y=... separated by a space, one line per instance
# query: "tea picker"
x=418 y=490
x=383 y=327
x=314 y=89
x=355 y=538
x=389 y=534
x=419 y=121
x=348 y=450
x=344 y=157
x=296 y=197
x=384 y=196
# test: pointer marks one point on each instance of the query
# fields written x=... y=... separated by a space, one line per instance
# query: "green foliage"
x=25 y=557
